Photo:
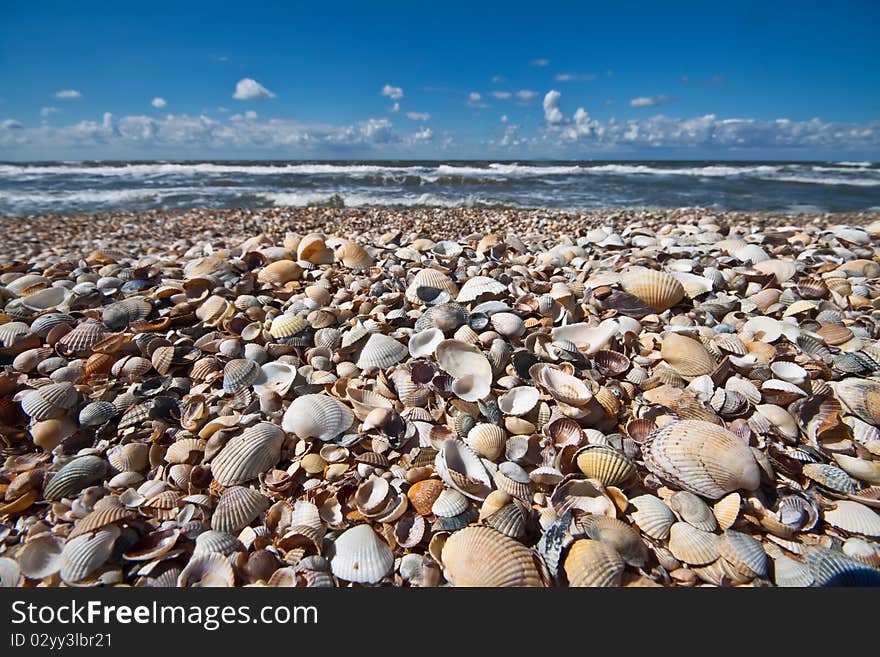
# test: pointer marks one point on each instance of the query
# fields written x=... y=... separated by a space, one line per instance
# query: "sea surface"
x=64 y=187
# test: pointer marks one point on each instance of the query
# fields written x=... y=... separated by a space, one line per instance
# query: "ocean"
x=66 y=187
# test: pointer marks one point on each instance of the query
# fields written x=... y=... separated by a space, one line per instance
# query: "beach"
x=440 y=396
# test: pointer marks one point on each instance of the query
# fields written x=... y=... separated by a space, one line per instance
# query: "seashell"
x=861 y=396
x=361 y=556
x=702 y=458
x=487 y=440
x=652 y=516
x=449 y=504
x=239 y=373
x=833 y=568
x=424 y=343
x=211 y=541
x=830 y=477
x=354 y=256
x=508 y=325
x=854 y=518
x=790 y=573
x=855 y=548
x=623 y=538
x=237 y=508
x=606 y=464
x=867 y=471
x=207 y=570
x=693 y=511
x=80 y=340
x=478 y=287
x=107 y=511
x=84 y=554
x=588 y=339
x=470 y=369
x=317 y=416
x=562 y=387
x=427 y=284
x=686 y=356
x=611 y=363
x=131 y=457
x=726 y=510
x=287 y=325
x=691 y=545
x=41 y=557
x=460 y=468
x=249 y=454
x=274 y=377
x=658 y=289
x=97 y=413
x=423 y=494
x=446 y=317
x=512 y=479
x=484 y=557
x=117 y=316
x=74 y=476
x=313 y=249
x=380 y=351
x=280 y=272
x=745 y=553
x=593 y=563
x=519 y=400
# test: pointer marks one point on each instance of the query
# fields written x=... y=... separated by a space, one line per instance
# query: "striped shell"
x=97 y=413
x=487 y=440
x=84 y=554
x=317 y=416
x=427 y=283
x=239 y=373
x=862 y=396
x=80 y=340
x=237 y=508
x=658 y=289
x=479 y=286
x=381 y=351
x=691 y=545
x=702 y=458
x=287 y=325
x=510 y=520
x=361 y=556
x=74 y=476
x=833 y=568
x=217 y=542
x=248 y=454
x=353 y=256
x=460 y=467
x=207 y=570
x=592 y=563
x=744 y=552
x=619 y=535
x=484 y=557
x=117 y=316
x=606 y=464
x=280 y=272
x=449 y=503
x=830 y=477
x=652 y=516
x=131 y=457
x=854 y=518
x=686 y=356
x=726 y=510
x=561 y=386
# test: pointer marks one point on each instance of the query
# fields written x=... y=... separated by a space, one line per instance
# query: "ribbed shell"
x=237 y=508
x=652 y=516
x=726 y=510
x=701 y=457
x=561 y=386
x=744 y=552
x=693 y=511
x=381 y=351
x=217 y=542
x=656 y=288
x=487 y=440
x=287 y=325
x=691 y=545
x=478 y=286
x=41 y=557
x=484 y=557
x=606 y=464
x=430 y=278
x=619 y=535
x=119 y=315
x=249 y=454
x=361 y=556
x=104 y=514
x=317 y=416
x=207 y=570
x=830 y=477
x=833 y=568
x=593 y=564
x=686 y=356
x=84 y=554
x=861 y=396
x=74 y=476
x=239 y=373
x=854 y=518
x=449 y=503
x=131 y=457
x=97 y=413
x=81 y=339
x=510 y=520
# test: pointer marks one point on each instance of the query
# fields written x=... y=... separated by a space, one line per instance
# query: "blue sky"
x=794 y=80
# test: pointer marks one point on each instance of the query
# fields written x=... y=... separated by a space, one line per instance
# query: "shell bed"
x=322 y=398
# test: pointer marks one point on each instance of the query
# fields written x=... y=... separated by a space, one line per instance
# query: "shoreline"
x=156 y=230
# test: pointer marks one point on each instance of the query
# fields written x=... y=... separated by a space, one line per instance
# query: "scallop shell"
x=380 y=351
x=592 y=563
x=686 y=356
x=207 y=570
x=81 y=339
x=830 y=477
x=361 y=556
x=693 y=511
x=701 y=457
x=854 y=518
x=470 y=369
x=606 y=464
x=131 y=457
x=317 y=416
x=237 y=508
x=480 y=286
x=619 y=535
x=287 y=325
x=460 y=467
x=691 y=545
x=249 y=454
x=97 y=413
x=744 y=552
x=484 y=557
x=41 y=557
x=658 y=289
x=487 y=440
x=84 y=554
x=726 y=510
x=833 y=568
x=239 y=373
x=427 y=283
x=562 y=387
x=861 y=396
x=652 y=516
x=519 y=400
x=74 y=476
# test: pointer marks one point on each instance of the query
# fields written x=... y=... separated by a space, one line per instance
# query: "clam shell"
x=686 y=356
x=460 y=467
x=830 y=477
x=508 y=324
x=702 y=458
x=239 y=373
x=211 y=541
x=117 y=316
x=562 y=387
x=790 y=573
x=693 y=511
x=280 y=272
x=380 y=351
x=510 y=520
x=84 y=554
x=658 y=289
x=833 y=568
x=484 y=557
x=519 y=400
x=619 y=535
x=449 y=503
x=470 y=369
x=487 y=440
x=207 y=570
x=361 y=556
x=861 y=396
x=867 y=471
x=74 y=476
x=427 y=283
x=317 y=416
x=691 y=545
x=249 y=454
x=726 y=510
x=744 y=552
x=287 y=325
x=606 y=464
x=97 y=413
x=354 y=256
x=274 y=377
x=131 y=457
x=593 y=563
x=424 y=343
x=479 y=286
x=237 y=508
x=652 y=516
x=854 y=518
x=41 y=557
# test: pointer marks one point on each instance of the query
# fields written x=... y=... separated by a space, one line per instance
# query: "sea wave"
x=707 y=171
x=809 y=180
x=150 y=170
x=356 y=200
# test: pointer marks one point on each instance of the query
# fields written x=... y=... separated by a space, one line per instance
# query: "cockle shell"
x=519 y=400
x=97 y=413
x=317 y=416
x=861 y=396
x=691 y=545
x=427 y=283
x=74 y=476
x=353 y=256
x=41 y=557
x=86 y=553
x=652 y=516
x=424 y=343
x=460 y=467
x=287 y=325
x=593 y=563
x=479 y=286
x=693 y=511
x=686 y=356
x=606 y=464
x=207 y=570
x=861 y=469
x=619 y=535
x=487 y=440
x=239 y=373
x=280 y=272
x=361 y=556
x=854 y=518
x=701 y=457
x=561 y=386
x=237 y=508
x=470 y=369
x=484 y=557
x=744 y=552
x=658 y=289
x=380 y=351
x=249 y=454
x=274 y=377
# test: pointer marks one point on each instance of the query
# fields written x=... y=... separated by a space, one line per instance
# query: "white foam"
x=302 y=199
x=160 y=169
x=711 y=171
x=496 y=168
x=807 y=180
x=854 y=164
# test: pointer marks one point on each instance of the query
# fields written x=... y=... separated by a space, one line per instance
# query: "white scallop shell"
x=380 y=351
x=519 y=400
x=424 y=343
x=86 y=553
x=361 y=556
x=248 y=454
x=317 y=416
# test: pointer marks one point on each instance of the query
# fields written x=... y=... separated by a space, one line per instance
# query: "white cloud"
x=222 y=109
x=502 y=95
x=250 y=89
x=498 y=79
x=423 y=135
x=395 y=107
x=540 y=62
x=504 y=118
x=648 y=101
x=158 y=103
x=552 y=114
x=68 y=94
x=526 y=95
x=574 y=77
x=394 y=93
x=11 y=124
x=418 y=116
x=46 y=111
x=475 y=100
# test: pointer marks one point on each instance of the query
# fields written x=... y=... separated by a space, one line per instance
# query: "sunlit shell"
x=484 y=557
x=74 y=476
x=606 y=464
x=449 y=503
x=589 y=339
x=487 y=440
x=119 y=315
x=361 y=556
x=691 y=545
x=743 y=552
x=237 y=508
x=693 y=511
x=381 y=351
x=239 y=373
x=513 y=480
x=508 y=325
x=701 y=457
x=287 y=325
x=727 y=509
x=280 y=272
x=131 y=457
x=857 y=548
x=861 y=396
x=854 y=518
x=423 y=494
x=353 y=256
x=594 y=564
x=41 y=557
x=788 y=572
x=317 y=416
x=80 y=340
x=479 y=286
x=652 y=516
x=861 y=469
x=830 y=477
x=207 y=570
x=424 y=343
x=10 y=573
x=561 y=386
x=248 y=454
x=470 y=369
x=312 y=248
x=686 y=356
x=97 y=413
x=460 y=467
x=658 y=289
x=519 y=400
x=84 y=554
x=427 y=284
x=833 y=568
x=274 y=377
x=618 y=535
x=784 y=270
